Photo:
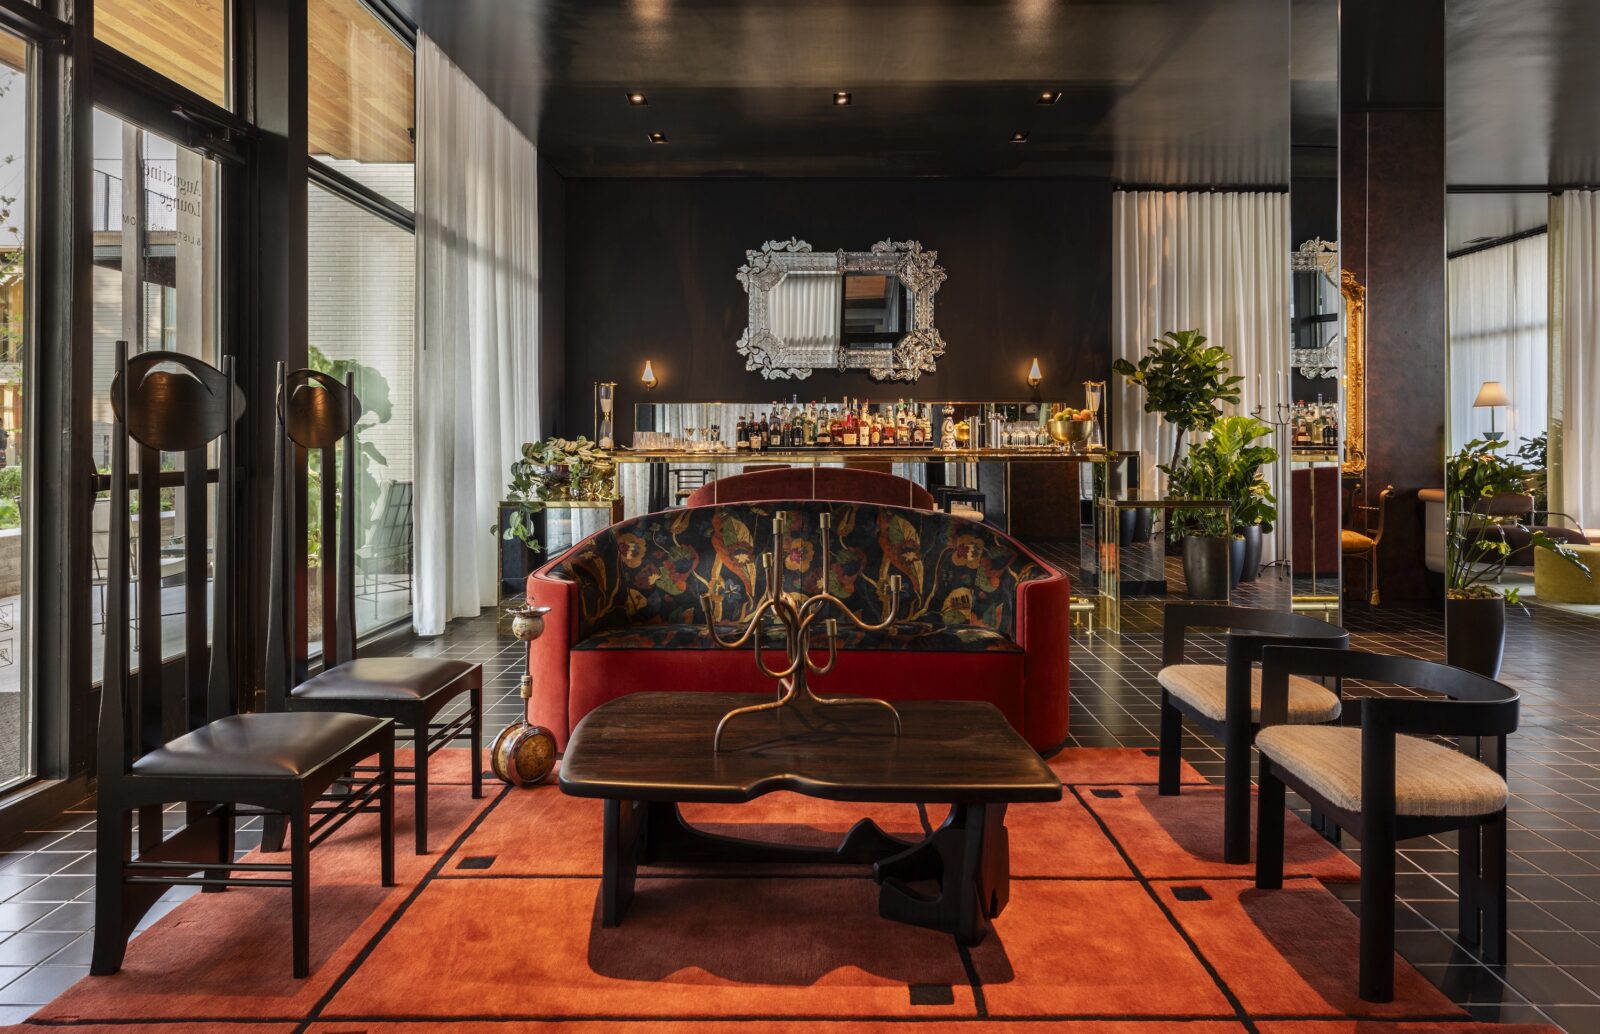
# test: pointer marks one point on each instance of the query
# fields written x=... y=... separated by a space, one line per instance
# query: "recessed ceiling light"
x=1049 y=96
x=637 y=99
x=841 y=98
x=1020 y=136
x=658 y=138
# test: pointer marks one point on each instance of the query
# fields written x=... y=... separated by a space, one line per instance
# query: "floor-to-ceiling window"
x=16 y=694
x=361 y=268
x=155 y=286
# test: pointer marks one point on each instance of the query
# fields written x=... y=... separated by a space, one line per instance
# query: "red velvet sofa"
x=980 y=617
x=839 y=484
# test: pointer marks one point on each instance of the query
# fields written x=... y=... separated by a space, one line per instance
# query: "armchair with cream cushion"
x=1225 y=699
x=1388 y=783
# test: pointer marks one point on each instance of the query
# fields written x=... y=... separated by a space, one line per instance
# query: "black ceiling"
x=1154 y=91
x=1522 y=92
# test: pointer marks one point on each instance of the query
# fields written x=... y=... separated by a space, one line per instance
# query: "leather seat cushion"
x=1430 y=779
x=1204 y=688
x=1354 y=541
x=259 y=745
x=383 y=678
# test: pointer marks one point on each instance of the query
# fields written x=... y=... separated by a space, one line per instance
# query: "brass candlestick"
x=796 y=614
x=523 y=753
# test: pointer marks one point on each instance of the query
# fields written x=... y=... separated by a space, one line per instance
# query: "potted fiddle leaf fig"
x=1475 y=609
x=1184 y=380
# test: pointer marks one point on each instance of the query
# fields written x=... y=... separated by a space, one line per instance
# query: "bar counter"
x=824 y=457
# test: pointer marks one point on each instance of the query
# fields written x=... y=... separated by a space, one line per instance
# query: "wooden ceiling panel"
x=362 y=86
x=360 y=77
x=185 y=40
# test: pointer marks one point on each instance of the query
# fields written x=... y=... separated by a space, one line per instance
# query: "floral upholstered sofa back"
x=653 y=570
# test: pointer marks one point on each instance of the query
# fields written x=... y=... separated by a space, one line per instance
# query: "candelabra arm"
x=831 y=627
x=750 y=627
x=817 y=602
x=795 y=659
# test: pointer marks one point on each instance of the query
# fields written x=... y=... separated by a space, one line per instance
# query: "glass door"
x=156 y=267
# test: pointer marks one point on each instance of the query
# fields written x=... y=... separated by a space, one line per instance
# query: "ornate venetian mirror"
x=841 y=310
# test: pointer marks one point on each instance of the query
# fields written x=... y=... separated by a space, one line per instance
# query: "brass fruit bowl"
x=1066 y=431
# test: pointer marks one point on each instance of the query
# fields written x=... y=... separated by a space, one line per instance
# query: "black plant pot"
x=1127 y=521
x=1144 y=520
x=1252 y=553
x=1475 y=634
x=1235 y=561
x=1207 y=563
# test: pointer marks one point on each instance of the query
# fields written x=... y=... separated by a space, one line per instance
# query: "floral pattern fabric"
x=647 y=576
x=911 y=636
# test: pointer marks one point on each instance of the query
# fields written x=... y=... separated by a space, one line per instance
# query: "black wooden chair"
x=1385 y=781
x=173 y=736
x=1225 y=699
x=315 y=411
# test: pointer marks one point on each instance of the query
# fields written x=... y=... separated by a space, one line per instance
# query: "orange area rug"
x=1122 y=919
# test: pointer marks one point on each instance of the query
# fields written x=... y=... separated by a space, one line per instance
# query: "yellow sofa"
x=1556 y=581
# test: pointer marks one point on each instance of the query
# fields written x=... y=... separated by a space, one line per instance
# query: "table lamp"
x=1490 y=397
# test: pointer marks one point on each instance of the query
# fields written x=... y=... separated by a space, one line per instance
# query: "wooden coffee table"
x=647 y=753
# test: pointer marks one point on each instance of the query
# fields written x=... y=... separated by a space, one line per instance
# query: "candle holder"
x=523 y=753
x=796 y=614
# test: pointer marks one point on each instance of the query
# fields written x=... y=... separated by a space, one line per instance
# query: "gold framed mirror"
x=1355 y=372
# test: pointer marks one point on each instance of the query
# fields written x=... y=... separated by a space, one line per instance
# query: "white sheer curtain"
x=477 y=332
x=1499 y=331
x=1575 y=355
x=804 y=314
x=1218 y=262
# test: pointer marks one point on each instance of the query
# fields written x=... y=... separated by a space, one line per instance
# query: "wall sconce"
x=1034 y=376
x=649 y=377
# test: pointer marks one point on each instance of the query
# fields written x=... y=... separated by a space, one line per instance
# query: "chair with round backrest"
x=172 y=733
x=1388 y=783
x=317 y=412
x=1225 y=699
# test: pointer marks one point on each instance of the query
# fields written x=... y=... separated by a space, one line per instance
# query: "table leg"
x=969 y=855
x=625 y=829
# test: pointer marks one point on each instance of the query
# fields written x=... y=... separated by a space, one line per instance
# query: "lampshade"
x=649 y=375
x=1491 y=394
x=1034 y=375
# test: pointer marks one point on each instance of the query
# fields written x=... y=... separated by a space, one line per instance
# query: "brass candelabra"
x=796 y=613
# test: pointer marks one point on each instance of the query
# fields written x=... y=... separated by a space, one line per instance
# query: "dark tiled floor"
x=1554 y=973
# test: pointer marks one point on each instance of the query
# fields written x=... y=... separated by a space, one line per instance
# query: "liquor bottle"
x=874 y=432
x=739 y=430
x=852 y=426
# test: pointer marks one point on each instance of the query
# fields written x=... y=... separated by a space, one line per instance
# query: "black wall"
x=552 y=297
x=650 y=270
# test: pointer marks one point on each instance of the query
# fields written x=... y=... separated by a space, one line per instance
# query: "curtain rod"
x=1202 y=188
x=1520 y=235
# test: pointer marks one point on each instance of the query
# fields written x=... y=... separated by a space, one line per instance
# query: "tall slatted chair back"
x=315 y=414
x=167 y=402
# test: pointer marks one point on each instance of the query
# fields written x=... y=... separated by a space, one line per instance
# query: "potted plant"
x=1226 y=467
x=1184 y=380
x=1475 y=611
x=1252 y=504
x=556 y=469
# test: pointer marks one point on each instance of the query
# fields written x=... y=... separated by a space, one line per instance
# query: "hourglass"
x=1094 y=393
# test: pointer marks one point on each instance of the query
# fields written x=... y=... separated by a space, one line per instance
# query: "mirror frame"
x=1355 y=372
x=918 y=271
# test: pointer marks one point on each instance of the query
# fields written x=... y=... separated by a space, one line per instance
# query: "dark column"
x=270 y=44
x=1392 y=239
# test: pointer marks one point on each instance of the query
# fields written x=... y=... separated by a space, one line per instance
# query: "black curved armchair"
x=1225 y=698
x=1388 y=783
